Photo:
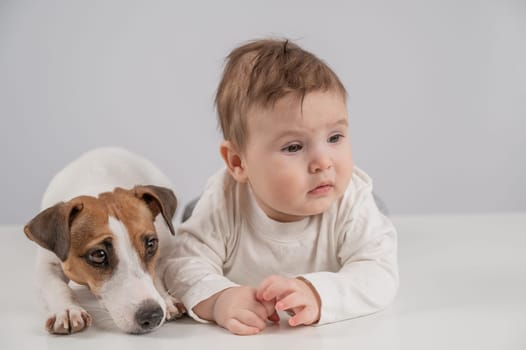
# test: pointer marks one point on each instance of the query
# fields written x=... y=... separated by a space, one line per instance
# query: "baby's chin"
x=303 y=213
x=300 y=211
x=320 y=206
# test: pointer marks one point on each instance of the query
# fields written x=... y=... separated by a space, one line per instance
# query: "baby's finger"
x=237 y=327
x=263 y=309
x=264 y=285
x=276 y=290
x=269 y=306
x=291 y=301
x=306 y=316
x=252 y=319
x=274 y=317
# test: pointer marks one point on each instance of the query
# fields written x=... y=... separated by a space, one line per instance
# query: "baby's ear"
x=234 y=161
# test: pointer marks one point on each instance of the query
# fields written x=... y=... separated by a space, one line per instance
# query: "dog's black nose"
x=149 y=315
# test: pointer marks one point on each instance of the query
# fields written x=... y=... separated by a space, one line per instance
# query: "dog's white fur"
x=93 y=173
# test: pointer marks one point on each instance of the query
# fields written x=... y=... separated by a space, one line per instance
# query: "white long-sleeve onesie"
x=348 y=253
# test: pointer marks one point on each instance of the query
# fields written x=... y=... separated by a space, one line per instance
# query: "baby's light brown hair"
x=259 y=73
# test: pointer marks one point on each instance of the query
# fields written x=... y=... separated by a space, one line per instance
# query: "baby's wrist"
x=206 y=308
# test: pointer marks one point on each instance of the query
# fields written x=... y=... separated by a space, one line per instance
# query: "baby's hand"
x=238 y=310
x=294 y=295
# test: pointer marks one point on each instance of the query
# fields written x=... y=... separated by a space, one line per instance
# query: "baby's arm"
x=366 y=282
x=368 y=279
x=194 y=272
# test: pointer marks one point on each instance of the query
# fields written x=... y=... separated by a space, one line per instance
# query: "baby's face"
x=298 y=157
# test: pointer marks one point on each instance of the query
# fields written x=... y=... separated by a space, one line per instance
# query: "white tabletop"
x=463 y=286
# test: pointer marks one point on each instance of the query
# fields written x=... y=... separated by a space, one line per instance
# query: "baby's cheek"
x=289 y=186
x=344 y=173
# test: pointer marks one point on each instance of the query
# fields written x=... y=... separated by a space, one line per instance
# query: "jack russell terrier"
x=106 y=219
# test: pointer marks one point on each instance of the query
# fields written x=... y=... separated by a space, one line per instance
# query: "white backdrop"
x=437 y=91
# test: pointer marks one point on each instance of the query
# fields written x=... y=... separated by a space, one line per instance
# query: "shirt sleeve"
x=368 y=278
x=195 y=269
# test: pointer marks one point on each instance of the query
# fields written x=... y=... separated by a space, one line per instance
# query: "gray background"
x=437 y=91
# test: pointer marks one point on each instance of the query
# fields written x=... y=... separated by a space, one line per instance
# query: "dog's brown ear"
x=51 y=228
x=159 y=200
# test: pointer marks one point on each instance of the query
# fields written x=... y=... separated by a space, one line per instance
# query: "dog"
x=106 y=218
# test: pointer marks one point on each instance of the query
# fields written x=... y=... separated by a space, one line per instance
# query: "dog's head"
x=110 y=244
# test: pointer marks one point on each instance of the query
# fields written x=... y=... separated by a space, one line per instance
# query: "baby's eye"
x=295 y=147
x=335 y=138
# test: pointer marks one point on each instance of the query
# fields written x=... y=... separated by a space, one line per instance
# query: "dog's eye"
x=97 y=257
x=151 y=244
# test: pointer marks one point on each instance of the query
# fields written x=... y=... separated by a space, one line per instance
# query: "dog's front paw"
x=174 y=308
x=68 y=321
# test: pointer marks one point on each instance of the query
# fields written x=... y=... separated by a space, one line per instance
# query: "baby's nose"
x=320 y=162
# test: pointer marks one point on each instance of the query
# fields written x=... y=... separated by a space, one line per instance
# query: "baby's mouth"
x=322 y=189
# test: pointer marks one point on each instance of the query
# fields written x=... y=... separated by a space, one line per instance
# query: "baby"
x=290 y=224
